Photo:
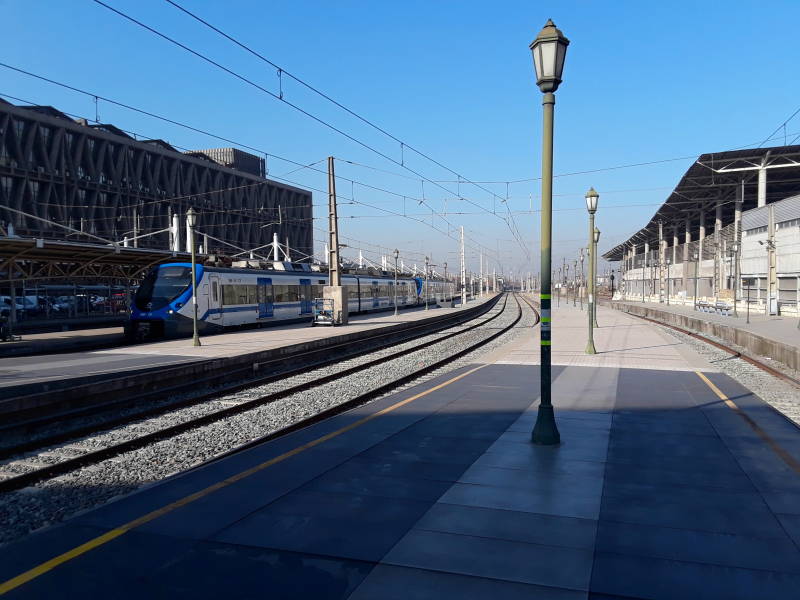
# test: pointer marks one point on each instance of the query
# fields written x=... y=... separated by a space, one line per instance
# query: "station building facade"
x=729 y=232
x=66 y=179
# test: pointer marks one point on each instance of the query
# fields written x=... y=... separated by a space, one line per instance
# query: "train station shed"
x=707 y=241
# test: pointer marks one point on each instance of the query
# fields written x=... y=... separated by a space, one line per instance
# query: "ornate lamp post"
x=396 y=256
x=592 y=198
x=549 y=50
x=191 y=220
x=668 y=280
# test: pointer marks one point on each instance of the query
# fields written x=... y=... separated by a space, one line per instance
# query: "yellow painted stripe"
x=790 y=460
x=35 y=572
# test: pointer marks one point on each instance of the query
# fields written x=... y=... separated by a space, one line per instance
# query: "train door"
x=305 y=296
x=266 y=300
x=215 y=300
x=375 y=294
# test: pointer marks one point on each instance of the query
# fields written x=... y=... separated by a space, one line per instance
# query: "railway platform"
x=772 y=336
x=22 y=375
x=671 y=481
x=63 y=341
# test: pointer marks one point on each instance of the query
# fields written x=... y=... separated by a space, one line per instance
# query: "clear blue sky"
x=643 y=81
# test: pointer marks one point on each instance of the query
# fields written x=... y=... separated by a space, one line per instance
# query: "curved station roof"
x=715 y=177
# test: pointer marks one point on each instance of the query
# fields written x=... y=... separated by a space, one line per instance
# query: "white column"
x=762 y=186
x=176 y=233
x=275 y=248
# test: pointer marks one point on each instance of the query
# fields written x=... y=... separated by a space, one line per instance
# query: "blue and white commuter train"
x=235 y=297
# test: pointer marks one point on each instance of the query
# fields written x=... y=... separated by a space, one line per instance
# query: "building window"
x=789 y=223
x=756 y=230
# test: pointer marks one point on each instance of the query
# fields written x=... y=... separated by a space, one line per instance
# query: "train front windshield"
x=162 y=286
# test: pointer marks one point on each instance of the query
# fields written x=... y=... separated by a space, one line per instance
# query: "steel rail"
x=307 y=360
x=93 y=457
x=736 y=353
x=368 y=396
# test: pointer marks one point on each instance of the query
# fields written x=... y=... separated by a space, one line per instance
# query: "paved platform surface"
x=661 y=488
x=21 y=370
x=778 y=328
x=63 y=341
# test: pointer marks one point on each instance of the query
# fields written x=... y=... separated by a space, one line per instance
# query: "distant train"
x=235 y=297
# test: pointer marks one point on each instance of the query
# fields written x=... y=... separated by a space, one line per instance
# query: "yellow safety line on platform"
x=793 y=463
x=43 y=568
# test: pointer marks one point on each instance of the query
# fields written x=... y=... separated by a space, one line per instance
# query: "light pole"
x=426 y=282
x=582 y=281
x=191 y=220
x=566 y=280
x=396 y=256
x=549 y=50
x=446 y=284
x=668 y=263
x=735 y=249
x=596 y=239
x=575 y=283
x=592 y=197
x=696 y=257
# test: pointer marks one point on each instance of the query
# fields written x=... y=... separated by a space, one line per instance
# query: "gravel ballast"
x=55 y=500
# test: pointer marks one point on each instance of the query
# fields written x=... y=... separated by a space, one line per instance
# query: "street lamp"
x=396 y=256
x=426 y=282
x=668 y=263
x=592 y=198
x=594 y=282
x=191 y=220
x=549 y=50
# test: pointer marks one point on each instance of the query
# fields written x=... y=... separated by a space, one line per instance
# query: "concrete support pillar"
x=762 y=186
x=645 y=274
x=737 y=236
x=675 y=244
x=719 y=276
x=686 y=241
x=661 y=260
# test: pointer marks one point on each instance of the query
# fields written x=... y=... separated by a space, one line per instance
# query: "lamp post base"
x=590 y=349
x=545 y=432
x=196 y=340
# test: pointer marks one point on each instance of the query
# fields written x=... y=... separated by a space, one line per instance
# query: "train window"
x=280 y=293
x=228 y=295
x=251 y=294
x=215 y=291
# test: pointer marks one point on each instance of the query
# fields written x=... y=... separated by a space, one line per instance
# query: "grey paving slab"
x=121 y=570
x=552 y=566
x=387 y=582
x=771 y=554
x=581 y=501
x=345 y=525
x=509 y=525
x=213 y=570
x=647 y=474
x=660 y=579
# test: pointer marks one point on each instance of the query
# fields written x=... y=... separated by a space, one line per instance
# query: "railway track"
x=732 y=351
x=33 y=433
x=53 y=461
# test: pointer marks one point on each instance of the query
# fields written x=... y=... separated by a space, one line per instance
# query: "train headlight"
x=172 y=312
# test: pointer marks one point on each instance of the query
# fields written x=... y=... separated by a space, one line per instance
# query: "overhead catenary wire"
x=319 y=120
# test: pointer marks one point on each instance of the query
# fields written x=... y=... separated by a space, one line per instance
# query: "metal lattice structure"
x=98 y=180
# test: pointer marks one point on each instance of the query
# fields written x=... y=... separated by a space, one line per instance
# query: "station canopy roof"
x=713 y=178
x=30 y=258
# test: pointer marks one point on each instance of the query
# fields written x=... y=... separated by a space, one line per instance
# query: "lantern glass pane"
x=537 y=61
x=548 y=50
x=561 y=53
